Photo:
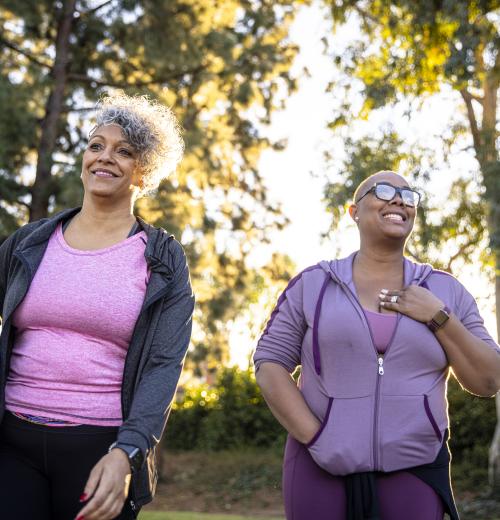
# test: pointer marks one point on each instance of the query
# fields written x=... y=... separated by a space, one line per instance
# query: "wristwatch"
x=133 y=453
x=439 y=319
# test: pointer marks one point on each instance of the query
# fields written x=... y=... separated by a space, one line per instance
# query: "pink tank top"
x=382 y=326
x=73 y=330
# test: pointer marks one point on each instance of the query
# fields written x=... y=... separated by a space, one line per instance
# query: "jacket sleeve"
x=6 y=250
x=468 y=313
x=160 y=375
x=281 y=341
x=4 y=266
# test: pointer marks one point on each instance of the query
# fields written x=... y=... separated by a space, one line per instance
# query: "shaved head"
x=383 y=175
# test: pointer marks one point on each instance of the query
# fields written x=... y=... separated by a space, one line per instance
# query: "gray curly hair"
x=151 y=129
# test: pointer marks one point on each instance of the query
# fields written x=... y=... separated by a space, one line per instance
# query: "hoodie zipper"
x=380 y=358
x=380 y=367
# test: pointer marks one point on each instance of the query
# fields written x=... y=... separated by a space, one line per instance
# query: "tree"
x=411 y=50
x=223 y=66
x=461 y=228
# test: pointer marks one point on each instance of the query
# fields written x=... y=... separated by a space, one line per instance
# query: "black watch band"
x=133 y=453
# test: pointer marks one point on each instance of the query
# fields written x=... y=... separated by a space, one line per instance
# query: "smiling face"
x=110 y=166
x=379 y=218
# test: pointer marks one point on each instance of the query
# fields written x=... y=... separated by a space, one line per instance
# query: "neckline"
x=383 y=314
x=95 y=252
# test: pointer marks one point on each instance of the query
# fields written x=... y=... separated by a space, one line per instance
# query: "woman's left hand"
x=107 y=487
x=414 y=301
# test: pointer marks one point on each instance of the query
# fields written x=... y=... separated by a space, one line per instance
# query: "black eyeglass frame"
x=397 y=191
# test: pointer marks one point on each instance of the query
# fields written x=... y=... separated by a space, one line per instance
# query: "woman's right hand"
x=107 y=487
x=287 y=402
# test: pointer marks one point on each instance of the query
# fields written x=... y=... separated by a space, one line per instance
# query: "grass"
x=158 y=515
x=245 y=482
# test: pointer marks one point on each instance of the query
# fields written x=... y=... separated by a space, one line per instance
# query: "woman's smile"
x=110 y=166
x=104 y=174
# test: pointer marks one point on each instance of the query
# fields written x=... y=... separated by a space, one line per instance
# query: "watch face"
x=440 y=317
x=135 y=458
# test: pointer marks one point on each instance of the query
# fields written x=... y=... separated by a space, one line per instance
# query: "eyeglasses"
x=386 y=191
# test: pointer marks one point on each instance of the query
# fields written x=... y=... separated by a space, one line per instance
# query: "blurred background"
x=286 y=106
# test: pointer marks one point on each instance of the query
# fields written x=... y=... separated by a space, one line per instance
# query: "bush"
x=473 y=422
x=231 y=415
x=234 y=415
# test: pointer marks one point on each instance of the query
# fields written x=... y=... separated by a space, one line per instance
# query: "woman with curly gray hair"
x=96 y=309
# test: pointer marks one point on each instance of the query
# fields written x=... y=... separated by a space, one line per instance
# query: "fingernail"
x=381 y=295
x=384 y=291
x=83 y=497
x=381 y=303
x=81 y=517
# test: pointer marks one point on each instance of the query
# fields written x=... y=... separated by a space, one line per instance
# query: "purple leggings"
x=312 y=493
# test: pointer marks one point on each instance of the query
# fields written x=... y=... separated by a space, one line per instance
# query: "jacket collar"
x=32 y=247
x=159 y=259
x=42 y=233
x=341 y=270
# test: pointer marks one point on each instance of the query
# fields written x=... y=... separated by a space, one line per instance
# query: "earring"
x=356 y=218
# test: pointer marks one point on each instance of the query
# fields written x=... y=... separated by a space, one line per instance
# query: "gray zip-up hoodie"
x=377 y=413
x=157 y=348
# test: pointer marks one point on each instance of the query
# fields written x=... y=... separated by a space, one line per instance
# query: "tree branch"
x=461 y=252
x=26 y=54
x=479 y=99
x=364 y=14
x=70 y=110
x=95 y=9
x=476 y=135
x=72 y=76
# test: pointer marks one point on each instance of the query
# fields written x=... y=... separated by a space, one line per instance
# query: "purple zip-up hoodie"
x=377 y=413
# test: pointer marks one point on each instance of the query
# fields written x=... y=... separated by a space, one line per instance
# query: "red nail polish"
x=82 y=498
x=81 y=517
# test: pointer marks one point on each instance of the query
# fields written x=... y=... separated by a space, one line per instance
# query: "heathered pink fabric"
x=382 y=327
x=73 y=331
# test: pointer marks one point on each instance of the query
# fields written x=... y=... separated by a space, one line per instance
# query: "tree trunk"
x=490 y=168
x=42 y=187
x=494 y=461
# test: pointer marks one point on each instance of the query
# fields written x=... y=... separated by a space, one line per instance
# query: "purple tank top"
x=382 y=326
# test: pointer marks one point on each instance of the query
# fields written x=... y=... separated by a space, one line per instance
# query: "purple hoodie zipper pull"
x=380 y=366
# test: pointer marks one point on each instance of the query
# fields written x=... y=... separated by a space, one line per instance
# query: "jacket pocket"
x=343 y=444
x=323 y=424
x=433 y=422
x=408 y=431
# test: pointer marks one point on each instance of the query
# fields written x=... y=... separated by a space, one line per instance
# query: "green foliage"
x=364 y=157
x=460 y=229
x=410 y=50
x=232 y=414
x=472 y=423
x=222 y=66
x=419 y=46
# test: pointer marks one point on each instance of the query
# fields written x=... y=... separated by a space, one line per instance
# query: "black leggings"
x=43 y=469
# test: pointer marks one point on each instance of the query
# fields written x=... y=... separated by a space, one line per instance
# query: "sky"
x=295 y=177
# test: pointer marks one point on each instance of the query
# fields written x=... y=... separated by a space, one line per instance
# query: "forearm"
x=286 y=402
x=474 y=363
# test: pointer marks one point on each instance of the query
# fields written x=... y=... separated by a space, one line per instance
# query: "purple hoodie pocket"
x=323 y=424
x=343 y=444
x=410 y=430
